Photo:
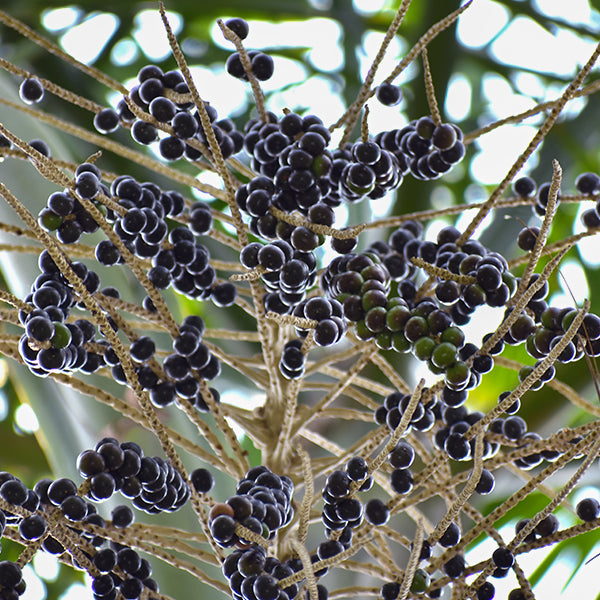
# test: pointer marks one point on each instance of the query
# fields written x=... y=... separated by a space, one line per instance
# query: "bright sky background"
x=485 y=21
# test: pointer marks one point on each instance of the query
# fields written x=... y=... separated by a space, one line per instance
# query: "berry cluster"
x=49 y=342
x=261 y=64
x=122 y=571
x=365 y=170
x=190 y=361
x=178 y=259
x=262 y=504
x=456 y=420
x=394 y=406
x=158 y=94
x=342 y=512
x=292 y=362
x=361 y=283
x=542 y=333
x=291 y=153
x=64 y=212
x=287 y=273
x=424 y=149
x=11 y=580
x=331 y=326
x=152 y=483
x=253 y=574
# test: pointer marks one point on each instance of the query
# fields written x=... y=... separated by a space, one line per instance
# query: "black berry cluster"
x=262 y=504
x=49 y=342
x=291 y=153
x=367 y=170
x=342 y=512
x=184 y=123
x=394 y=406
x=122 y=571
x=261 y=64
x=293 y=360
x=253 y=574
x=64 y=212
x=331 y=326
x=152 y=483
x=287 y=273
x=190 y=361
x=424 y=149
x=11 y=580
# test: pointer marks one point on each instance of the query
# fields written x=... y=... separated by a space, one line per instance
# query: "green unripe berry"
x=420 y=582
x=396 y=301
x=49 y=220
x=457 y=374
x=550 y=318
x=443 y=355
x=423 y=348
x=62 y=335
x=525 y=372
x=453 y=335
x=511 y=281
x=400 y=343
x=321 y=165
x=362 y=331
x=396 y=317
x=568 y=319
x=433 y=369
x=100 y=207
x=384 y=340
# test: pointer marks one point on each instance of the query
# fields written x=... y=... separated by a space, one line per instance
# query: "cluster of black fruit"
x=587 y=184
x=294 y=165
x=253 y=574
x=122 y=572
x=182 y=370
x=49 y=342
x=365 y=169
x=134 y=573
x=541 y=334
x=12 y=584
x=261 y=64
x=143 y=224
x=286 y=272
x=180 y=118
x=262 y=504
x=64 y=212
x=342 y=512
x=424 y=149
x=178 y=258
x=328 y=313
x=293 y=360
x=378 y=293
x=152 y=483
x=394 y=405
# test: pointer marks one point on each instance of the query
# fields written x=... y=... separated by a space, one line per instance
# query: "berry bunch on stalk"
x=396 y=509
